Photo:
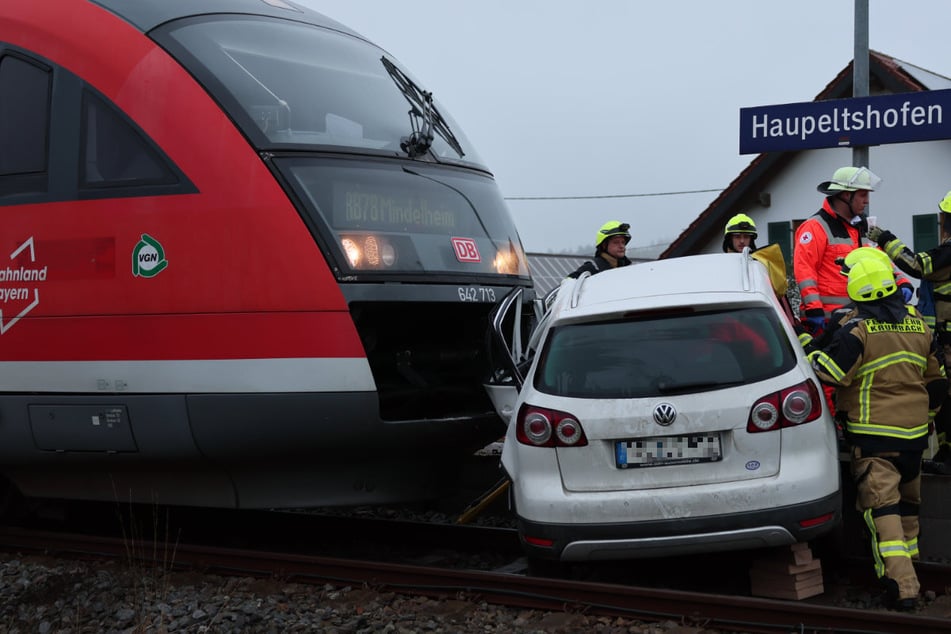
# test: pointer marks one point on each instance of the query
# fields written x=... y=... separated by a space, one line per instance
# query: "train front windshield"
x=293 y=84
x=409 y=219
x=297 y=90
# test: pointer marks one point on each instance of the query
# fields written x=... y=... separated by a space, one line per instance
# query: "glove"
x=880 y=236
x=814 y=324
x=906 y=293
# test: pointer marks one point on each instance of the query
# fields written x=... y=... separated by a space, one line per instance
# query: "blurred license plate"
x=667 y=450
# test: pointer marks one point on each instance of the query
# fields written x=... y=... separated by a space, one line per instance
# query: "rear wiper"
x=424 y=117
x=668 y=388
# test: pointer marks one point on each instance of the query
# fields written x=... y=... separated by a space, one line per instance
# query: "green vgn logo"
x=148 y=257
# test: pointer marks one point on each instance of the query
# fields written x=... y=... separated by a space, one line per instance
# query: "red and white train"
x=246 y=261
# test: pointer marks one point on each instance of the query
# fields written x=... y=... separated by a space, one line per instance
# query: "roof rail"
x=745 y=273
x=576 y=291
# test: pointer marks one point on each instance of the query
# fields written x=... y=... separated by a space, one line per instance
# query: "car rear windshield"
x=663 y=354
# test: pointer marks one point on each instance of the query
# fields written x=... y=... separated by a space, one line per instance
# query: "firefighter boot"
x=891 y=599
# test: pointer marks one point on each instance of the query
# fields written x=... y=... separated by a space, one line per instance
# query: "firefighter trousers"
x=888 y=496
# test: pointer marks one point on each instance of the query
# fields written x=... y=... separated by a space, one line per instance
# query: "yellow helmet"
x=740 y=223
x=945 y=204
x=871 y=279
x=610 y=229
x=861 y=253
x=849 y=179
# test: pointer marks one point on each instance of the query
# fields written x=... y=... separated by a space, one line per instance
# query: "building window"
x=782 y=233
x=924 y=229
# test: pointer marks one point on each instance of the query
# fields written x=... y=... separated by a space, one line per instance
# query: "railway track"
x=726 y=613
x=293 y=548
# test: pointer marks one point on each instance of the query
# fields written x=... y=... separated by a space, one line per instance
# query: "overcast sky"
x=564 y=98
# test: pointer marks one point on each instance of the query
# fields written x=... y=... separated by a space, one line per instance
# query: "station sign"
x=896 y=118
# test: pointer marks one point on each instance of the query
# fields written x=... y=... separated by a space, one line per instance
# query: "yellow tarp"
x=772 y=257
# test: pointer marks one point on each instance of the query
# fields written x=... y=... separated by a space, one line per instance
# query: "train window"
x=114 y=154
x=289 y=84
x=24 y=125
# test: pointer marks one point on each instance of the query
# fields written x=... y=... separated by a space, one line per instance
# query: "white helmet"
x=850 y=179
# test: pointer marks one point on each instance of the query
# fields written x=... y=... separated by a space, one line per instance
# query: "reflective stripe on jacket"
x=934 y=266
x=883 y=371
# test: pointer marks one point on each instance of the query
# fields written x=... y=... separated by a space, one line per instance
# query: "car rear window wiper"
x=424 y=116
x=670 y=387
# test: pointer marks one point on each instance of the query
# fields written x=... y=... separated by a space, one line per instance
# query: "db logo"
x=466 y=250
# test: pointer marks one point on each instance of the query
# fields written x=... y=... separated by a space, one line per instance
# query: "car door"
x=514 y=331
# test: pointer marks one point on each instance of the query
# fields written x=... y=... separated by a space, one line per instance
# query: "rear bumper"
x=740 y=531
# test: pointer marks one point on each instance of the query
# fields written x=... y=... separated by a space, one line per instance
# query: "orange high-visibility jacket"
x=820 y=241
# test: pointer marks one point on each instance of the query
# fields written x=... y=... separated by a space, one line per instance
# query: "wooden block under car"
x=787 y=573
x=778 y=585
x=785 y=567
x=798 y=554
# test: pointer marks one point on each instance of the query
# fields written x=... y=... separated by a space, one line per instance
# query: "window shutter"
x=925 y=232
x=781 y=233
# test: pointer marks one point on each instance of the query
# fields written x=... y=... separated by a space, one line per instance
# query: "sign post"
x=860 y=71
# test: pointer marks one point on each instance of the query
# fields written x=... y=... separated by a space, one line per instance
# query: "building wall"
x=915 y=176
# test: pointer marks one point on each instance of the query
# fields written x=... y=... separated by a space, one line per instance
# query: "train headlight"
x=367 y=252
x=371 y=249
x=352 y=249
x=509 y=260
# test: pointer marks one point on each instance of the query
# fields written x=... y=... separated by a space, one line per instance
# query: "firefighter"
x=609 y=249
x=830 y=234
x=933 y=267
x=889 y=382
x=740 y=232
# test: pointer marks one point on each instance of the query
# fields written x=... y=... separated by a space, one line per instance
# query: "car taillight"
x=542 y=427
x=787 y=408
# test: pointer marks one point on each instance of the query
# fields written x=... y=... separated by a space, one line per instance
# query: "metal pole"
x=860 y=71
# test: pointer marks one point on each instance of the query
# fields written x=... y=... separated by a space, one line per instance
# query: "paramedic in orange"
x=830 y=234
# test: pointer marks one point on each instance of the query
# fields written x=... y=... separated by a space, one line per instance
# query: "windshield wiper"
x=424 y=117
x=669 y=388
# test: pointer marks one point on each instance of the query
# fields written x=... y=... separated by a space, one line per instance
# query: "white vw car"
x=664 y=408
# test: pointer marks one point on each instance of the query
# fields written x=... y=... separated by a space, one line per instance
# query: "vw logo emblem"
x=665 y=414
